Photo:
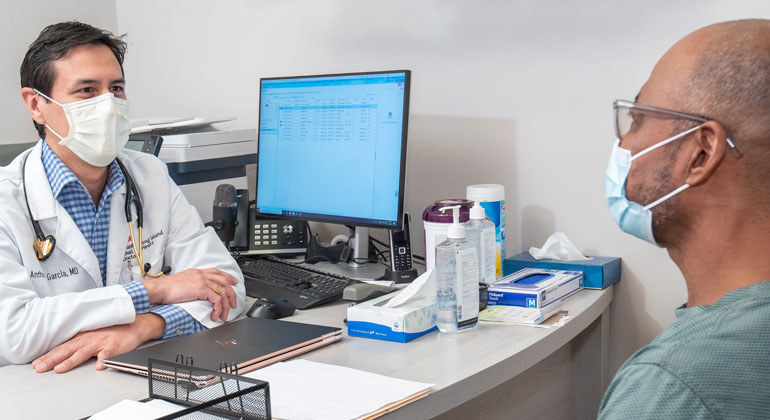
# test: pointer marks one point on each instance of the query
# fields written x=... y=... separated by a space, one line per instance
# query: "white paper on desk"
x=518 y=314
x=558 y=247
x=386 y=283
x=134 y=410
x=301 y=389
x=421 y=287
x=199 y=415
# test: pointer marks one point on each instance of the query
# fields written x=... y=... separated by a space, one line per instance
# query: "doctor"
x=79 y=280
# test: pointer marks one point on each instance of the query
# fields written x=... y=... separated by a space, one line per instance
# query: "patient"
x=708 y=184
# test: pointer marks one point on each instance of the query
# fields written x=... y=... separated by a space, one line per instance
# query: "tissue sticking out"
x=558 y=247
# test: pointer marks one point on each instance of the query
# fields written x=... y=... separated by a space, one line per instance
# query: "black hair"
x=54 y=42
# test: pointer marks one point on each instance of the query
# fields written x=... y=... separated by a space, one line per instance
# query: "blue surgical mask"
x=633 y=218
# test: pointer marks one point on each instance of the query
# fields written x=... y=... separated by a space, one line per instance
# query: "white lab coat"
x=45 y=303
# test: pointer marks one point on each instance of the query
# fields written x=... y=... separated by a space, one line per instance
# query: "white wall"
x=20 y=24
x=511 y=92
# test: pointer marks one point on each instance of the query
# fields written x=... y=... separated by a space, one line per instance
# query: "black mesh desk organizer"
x=206 y=393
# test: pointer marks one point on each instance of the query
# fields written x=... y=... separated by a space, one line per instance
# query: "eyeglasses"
x=629 y=116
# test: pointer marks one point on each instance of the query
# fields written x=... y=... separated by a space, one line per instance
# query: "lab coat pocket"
x=130 y=271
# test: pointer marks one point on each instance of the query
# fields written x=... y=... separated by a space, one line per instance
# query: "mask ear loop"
x=61 y=139
x=43 y=245
x=661 y=144
x=49 y=98
x=667 y=196
x=664 y=142
x=733 y=149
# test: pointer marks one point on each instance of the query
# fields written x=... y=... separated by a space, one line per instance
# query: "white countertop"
x=462 y=366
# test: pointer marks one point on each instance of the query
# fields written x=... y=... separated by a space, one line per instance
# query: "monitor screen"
x=332 y=148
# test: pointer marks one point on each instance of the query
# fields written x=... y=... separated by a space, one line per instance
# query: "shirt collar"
x=59 y=175
x=759 y=290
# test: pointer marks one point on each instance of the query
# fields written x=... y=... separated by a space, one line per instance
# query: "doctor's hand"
x=209 y=284
x=102 y=344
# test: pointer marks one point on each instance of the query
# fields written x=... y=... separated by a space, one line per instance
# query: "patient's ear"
x=709 y=150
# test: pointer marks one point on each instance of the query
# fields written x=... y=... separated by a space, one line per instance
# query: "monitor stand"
x=360 y=247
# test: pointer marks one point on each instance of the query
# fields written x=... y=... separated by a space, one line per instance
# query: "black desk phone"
x=401 y=248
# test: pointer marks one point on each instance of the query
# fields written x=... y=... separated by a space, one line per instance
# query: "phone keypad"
x=402 y=258
x=287 y=234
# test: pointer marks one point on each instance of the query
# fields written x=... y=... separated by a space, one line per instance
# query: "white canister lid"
x=485 y=192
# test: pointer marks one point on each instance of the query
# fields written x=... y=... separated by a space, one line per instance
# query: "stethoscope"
x=45 y=244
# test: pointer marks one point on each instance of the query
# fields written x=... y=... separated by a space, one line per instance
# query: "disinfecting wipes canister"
x=492 y=198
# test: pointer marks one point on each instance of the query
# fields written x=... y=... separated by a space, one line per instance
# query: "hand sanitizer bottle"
x=481 y=232
x=457 y=279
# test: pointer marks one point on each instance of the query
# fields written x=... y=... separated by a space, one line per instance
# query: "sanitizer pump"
x=457 y=279
x=481 y=232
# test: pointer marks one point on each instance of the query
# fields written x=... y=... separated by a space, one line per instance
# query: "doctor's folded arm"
x=99 y=249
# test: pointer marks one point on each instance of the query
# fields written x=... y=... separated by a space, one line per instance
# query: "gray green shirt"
x=712 y=363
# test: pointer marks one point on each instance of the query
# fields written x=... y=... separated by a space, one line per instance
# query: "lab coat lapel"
x=54 y=218
x=118 y=242
x=42 y=203
x=71 y=241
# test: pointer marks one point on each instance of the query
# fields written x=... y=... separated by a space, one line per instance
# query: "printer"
x=199 y=157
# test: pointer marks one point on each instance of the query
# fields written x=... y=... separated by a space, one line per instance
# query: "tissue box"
x=598 y=272
x=535 y=287
x=371 y=319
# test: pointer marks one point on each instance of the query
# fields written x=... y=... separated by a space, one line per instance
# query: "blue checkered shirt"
x=93 y=221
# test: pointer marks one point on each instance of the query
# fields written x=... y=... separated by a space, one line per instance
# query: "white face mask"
x=99 y=128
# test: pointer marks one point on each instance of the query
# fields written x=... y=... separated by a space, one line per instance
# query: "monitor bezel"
x=344 y=220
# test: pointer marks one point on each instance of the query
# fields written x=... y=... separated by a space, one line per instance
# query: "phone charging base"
x=400 y=276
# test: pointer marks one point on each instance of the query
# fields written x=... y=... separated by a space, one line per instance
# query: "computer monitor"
x=332 y=148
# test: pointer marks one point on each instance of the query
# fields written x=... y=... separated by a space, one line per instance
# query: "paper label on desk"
x=519 y=315
x=467 y=286
x=488 y=255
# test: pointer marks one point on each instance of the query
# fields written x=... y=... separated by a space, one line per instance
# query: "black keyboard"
x=303 y=286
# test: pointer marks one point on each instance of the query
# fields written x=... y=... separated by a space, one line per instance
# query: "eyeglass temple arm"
x=735 y=150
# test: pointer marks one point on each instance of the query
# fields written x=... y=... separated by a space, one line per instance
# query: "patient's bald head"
x=730 y=77
x=723 y=71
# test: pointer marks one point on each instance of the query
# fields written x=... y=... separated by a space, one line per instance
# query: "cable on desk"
x=377 y=250
x=314 y=259
x=379 y=242
x=420 y=259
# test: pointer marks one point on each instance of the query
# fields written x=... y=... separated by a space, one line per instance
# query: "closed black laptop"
x=250 y=343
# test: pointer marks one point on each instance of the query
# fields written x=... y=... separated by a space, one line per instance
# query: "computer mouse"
x=360 y=292
x=271 y=308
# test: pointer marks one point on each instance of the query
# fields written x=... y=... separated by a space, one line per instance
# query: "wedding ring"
x=217 y=289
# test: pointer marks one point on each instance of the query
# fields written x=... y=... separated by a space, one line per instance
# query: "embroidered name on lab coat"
x=72 y=271
x=146 y=243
